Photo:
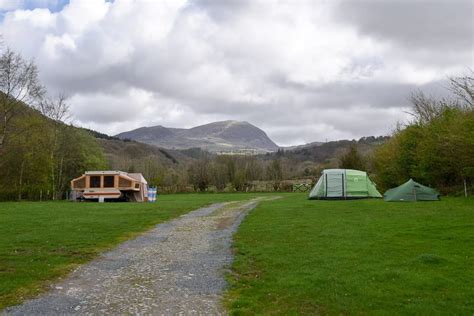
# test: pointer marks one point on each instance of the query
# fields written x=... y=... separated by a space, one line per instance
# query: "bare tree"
x=57 y=111
x=463 y=88
x=55 y=108
x=199 y=174
x=19 y=84
x=425 y=108
x=218 y=174
x=275 y=173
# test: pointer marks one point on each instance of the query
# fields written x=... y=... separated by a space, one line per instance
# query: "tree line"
x=437 y=147
x=207 y=172
x=39 y=153
x=239 y=172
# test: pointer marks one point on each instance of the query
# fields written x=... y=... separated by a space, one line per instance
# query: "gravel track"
x=176 y=268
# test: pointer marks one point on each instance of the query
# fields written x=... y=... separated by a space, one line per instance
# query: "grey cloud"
x=221 y=60
x=343 y=94
x=219 y=10
x=416 y=24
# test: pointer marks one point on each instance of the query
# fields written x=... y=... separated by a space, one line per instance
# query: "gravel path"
x=176 y=268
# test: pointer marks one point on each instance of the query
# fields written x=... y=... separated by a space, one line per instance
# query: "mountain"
x=225 y=136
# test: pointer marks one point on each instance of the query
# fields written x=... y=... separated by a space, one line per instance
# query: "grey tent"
x=411 y=191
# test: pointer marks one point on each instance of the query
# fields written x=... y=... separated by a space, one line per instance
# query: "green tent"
x=344 y=184
x=411 y=191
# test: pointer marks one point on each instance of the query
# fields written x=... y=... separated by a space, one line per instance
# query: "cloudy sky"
x=301 y=70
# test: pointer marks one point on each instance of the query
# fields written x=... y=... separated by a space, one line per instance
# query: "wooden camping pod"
x=112 y=185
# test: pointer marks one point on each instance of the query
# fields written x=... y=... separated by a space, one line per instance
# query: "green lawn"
x=40 y=241
x=295 y=256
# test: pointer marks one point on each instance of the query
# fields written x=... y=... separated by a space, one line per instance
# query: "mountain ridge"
x=221 y=136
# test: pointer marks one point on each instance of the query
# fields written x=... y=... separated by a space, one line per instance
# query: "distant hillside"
x=123 y=154
x=329 y=151
x=225 y=136
x=312 y=144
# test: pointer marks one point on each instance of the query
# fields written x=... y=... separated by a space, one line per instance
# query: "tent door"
x=335 y=185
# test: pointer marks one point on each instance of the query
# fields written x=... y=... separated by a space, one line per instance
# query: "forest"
x=40 y=153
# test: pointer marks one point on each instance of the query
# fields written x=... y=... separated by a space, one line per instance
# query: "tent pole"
x=326 y=178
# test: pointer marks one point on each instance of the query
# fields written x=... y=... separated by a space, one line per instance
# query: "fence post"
x=465 y=188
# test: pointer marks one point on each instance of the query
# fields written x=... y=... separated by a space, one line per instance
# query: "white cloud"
x=10 y=4
x=303 y=70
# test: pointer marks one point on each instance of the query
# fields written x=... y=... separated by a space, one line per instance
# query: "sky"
x=302 y=71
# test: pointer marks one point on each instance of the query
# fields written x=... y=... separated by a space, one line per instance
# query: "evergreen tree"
x=352 y=159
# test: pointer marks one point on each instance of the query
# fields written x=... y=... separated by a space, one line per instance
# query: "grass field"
x=295 y=256
x=41 y=241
